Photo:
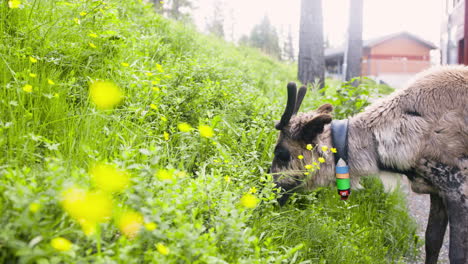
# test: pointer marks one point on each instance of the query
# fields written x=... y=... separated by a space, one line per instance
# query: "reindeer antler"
x=300 y=96
x=290 y=106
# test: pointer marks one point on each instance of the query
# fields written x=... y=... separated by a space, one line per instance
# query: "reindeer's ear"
x=314 y=127
x=325 y=109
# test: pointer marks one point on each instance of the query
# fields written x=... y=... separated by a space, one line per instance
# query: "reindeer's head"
x=296 y=132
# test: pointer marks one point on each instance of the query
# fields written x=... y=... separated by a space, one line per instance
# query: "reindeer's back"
x=428 y=118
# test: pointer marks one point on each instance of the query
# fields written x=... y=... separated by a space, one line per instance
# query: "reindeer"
x=420 y=131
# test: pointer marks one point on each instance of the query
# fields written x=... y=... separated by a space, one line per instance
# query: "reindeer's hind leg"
x=435 y=231
x=452 y=185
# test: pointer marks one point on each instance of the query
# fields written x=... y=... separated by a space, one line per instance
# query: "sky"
x=381 y=17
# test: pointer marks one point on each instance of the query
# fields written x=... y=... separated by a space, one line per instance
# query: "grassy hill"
x=175 y=172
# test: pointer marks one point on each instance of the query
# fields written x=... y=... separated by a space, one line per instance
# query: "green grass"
x=51 y=137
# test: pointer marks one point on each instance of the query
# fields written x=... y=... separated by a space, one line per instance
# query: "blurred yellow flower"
x=159 y=68
x=61 y=244
x=149 y=74
x=156 y=89
x=34 y=207
x=105 y=94
x=92 y=45
x=253 y=190
x=165 y=175
x=324 y=148
x=93 y=35
x=300 y=157
x=124 y=64
x=33 y=75
x=49 y=81
x=249 y=201
x=93 y=207
x=206 y=131
x=32 y=59
x=227 y=179
x=14 y=3
x=109 y=178
x=28 y=88
x=309 y=147
x=184 y=127
x=77 y=21
x=166 y=136
x=83 y=13
x=161 y=248
x=333 y=150
x=150 y=226
x=306 y=173
x=89 y=228
x=321 y=160
x=308 y=166
x=153 y=106
x=130 y=223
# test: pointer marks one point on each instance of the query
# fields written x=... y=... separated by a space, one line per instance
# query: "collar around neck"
x=339 y=131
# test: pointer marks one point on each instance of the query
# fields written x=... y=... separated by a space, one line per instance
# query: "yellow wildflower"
x=105 y=94
x=249 y=201
x=153 y=106
x=92 y=45
x=206 y=131
x=162 y=249
x=184 y=127
x=165 y=175
x=149 y=74
x=89 y=228
x=28 y=88
x=109 y=178
x=14 y=3
x=77 y=21
x=32 y=59
x=227 y=179
x=155 y=81
x=34 y=207
x=83 y=13
x=61 y=244
x=124 y=64
x=253 y=190
x=300 y=157
x=150 y=226
x=156 y=89
x=166 y=136
x=324 y=148
x=94 y=207
x=93 y=35
x=306 y=173
x=309 y=147
x=130 y=223
x=333 y=150
x=321 y=160
x=33 y=75
x=159 y=68
x=49 y=81
x=308 y=166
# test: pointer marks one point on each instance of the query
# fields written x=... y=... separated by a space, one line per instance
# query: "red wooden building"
x=392 y=59
x=454 y=44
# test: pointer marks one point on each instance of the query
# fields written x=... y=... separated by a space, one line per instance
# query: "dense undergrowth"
x=183 y=201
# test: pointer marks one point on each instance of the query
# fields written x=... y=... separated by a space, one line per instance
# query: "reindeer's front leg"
x=435 y=231
x=452 y=185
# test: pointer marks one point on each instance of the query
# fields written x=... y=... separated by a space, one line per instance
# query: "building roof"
x=339 y=51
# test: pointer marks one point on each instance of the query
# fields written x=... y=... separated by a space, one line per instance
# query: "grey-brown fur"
x=428 y=120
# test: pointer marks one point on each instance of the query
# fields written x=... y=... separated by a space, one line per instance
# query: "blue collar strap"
x=339 y=129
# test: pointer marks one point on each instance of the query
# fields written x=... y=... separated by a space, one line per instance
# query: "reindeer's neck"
x=363 y=156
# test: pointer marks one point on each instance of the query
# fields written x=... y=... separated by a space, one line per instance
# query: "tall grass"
x=51 y=134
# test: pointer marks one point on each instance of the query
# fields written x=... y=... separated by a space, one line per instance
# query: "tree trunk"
x=353 y=53
x=311 y=58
